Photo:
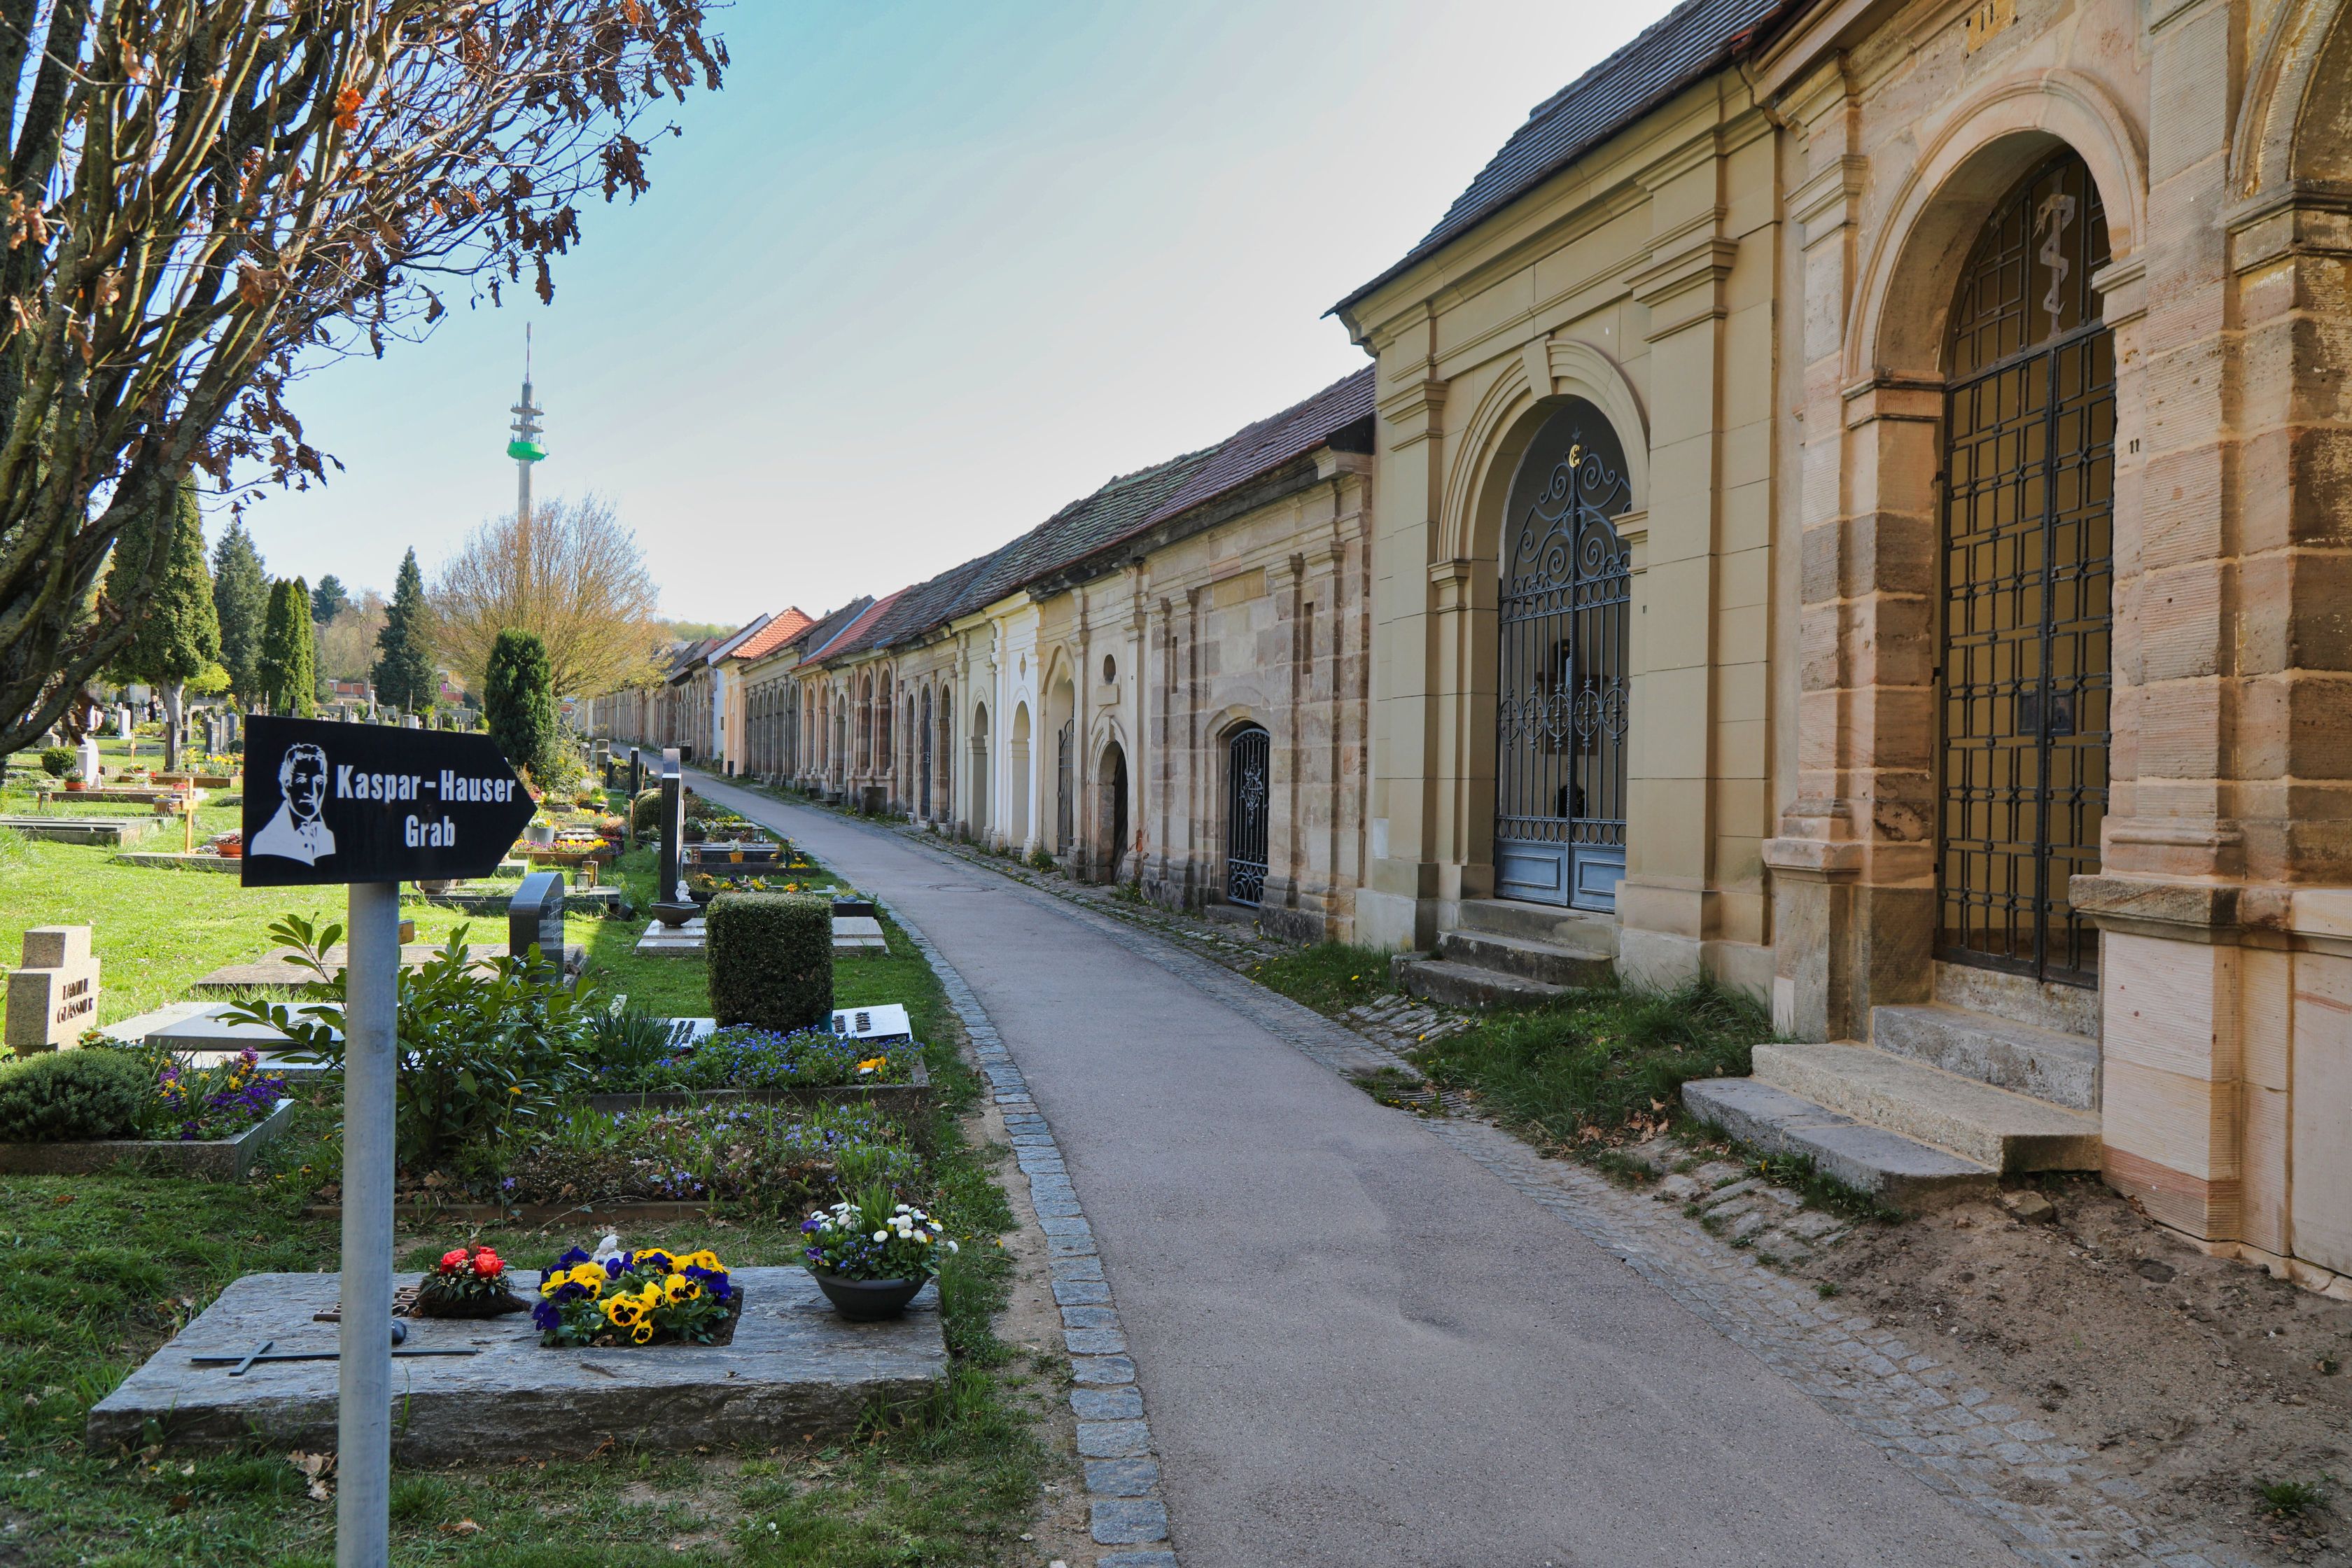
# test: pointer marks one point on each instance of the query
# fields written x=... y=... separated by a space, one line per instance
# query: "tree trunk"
x=174 y=709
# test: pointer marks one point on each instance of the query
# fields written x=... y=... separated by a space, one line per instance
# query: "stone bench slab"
x=795 y=1368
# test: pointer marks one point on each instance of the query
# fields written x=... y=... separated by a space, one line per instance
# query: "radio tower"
x=525 y=448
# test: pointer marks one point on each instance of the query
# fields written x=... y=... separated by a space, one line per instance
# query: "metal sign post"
x=371 y=806
x=363 y=1414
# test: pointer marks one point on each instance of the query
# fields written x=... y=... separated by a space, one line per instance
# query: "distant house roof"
x=853 y=636
x=781 y=629
x=1692 y=41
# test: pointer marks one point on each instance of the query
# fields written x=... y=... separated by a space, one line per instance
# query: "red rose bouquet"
x=469 y=1282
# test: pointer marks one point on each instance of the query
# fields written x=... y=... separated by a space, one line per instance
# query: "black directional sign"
x=369 y=803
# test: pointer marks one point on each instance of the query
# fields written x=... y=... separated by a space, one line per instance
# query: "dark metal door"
x=2029 y=575
x=1064 y=798
x=1562 y=693
x=1249 y=763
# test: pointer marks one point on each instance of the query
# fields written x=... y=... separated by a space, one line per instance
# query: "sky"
x=922 y=273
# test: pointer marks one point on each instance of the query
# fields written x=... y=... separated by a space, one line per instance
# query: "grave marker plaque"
x=54 y=997
x=535 y=916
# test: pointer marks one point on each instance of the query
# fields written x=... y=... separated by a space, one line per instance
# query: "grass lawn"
x=97 y=1271
x=1582 y=1073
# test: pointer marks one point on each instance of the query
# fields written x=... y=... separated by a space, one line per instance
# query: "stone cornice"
x=1893 y=397
x=1685 y=286
x=1826 y=202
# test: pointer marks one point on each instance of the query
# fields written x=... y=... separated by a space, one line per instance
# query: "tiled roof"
x=779 y=629
x=853 y=637
x=830 y=626
x=1082 y=526
x=1691 y=41
x=1260 y=448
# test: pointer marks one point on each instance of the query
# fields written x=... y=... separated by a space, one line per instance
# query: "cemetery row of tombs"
x=536 y=1098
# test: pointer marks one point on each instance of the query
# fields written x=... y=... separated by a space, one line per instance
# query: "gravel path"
x=1359 y=1343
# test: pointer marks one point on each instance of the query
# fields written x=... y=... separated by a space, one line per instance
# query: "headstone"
x=87 y=761
x=54 y=997
x=637 y=772
x=124 y=723
x=673 y=827
x=535 y=914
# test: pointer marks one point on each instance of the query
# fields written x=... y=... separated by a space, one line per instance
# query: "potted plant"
x=641 y=1297
x=541 y=829
x=74 y=781
x=467 y=1284
x=870 y=1255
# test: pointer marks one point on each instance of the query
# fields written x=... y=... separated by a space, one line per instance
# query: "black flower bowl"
x=868 y=1300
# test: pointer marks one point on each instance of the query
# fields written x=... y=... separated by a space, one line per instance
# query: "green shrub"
x=771 y=960
x=68 y=1095
x=645 y=811
x=56 y=759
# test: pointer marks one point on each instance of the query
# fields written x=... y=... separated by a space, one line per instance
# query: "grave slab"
x=202 y=1030
x=795 y=1368
x=853 y=931
x=110 y=831
x=686 y=941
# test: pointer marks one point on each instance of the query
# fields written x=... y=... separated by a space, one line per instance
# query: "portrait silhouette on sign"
x=298 y=832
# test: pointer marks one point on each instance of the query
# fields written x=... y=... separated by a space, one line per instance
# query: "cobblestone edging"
x=2051 y=1501
x=1123 y=1499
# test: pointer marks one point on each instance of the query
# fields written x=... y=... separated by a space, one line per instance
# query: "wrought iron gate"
x=2029 y=574
x=1248 y=757
x=1063 y=794
x=1561 y=692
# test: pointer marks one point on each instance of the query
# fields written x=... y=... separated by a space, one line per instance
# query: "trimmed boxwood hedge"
x=70 y=1095
x=771 y=959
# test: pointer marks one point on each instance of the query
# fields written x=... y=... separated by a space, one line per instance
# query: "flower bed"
x=743 y=1063
x=88 y=1109
x=773 y=1157
x=644 y=1298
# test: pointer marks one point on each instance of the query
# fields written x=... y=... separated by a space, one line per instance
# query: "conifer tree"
x=176 y=634
x=404 y=673
x=518 y=700
x=241 y=606
x=328 y=599
x=288 y=663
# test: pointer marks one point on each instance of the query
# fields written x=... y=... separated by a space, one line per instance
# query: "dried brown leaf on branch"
x=205 y=198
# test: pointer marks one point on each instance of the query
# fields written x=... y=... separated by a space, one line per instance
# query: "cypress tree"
x=288 y=663
x=241 y=608
x=519 y=699
x=176 y=635
x=404 y=675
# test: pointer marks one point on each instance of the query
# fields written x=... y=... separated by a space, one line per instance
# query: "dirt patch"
x=2201 y=1379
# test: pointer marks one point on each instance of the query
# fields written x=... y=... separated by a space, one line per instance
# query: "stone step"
x=2044 y=1063
x=1900 y=1172
x=1543 y=960
x=1465 y=985
x=2009 y=1132
x=1551 y=924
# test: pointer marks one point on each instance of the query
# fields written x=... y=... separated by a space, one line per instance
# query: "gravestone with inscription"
x=535 y=916
x=54 y=997
x=673 y=830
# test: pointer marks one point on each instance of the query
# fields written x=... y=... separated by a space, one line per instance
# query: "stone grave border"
x=913 y=1098
x=207 y=1159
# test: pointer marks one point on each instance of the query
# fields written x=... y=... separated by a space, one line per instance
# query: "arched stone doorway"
x=1113 y=773
x=1249 y=754
x=922 y=725
x=2028 y=574
x=1562 y=668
